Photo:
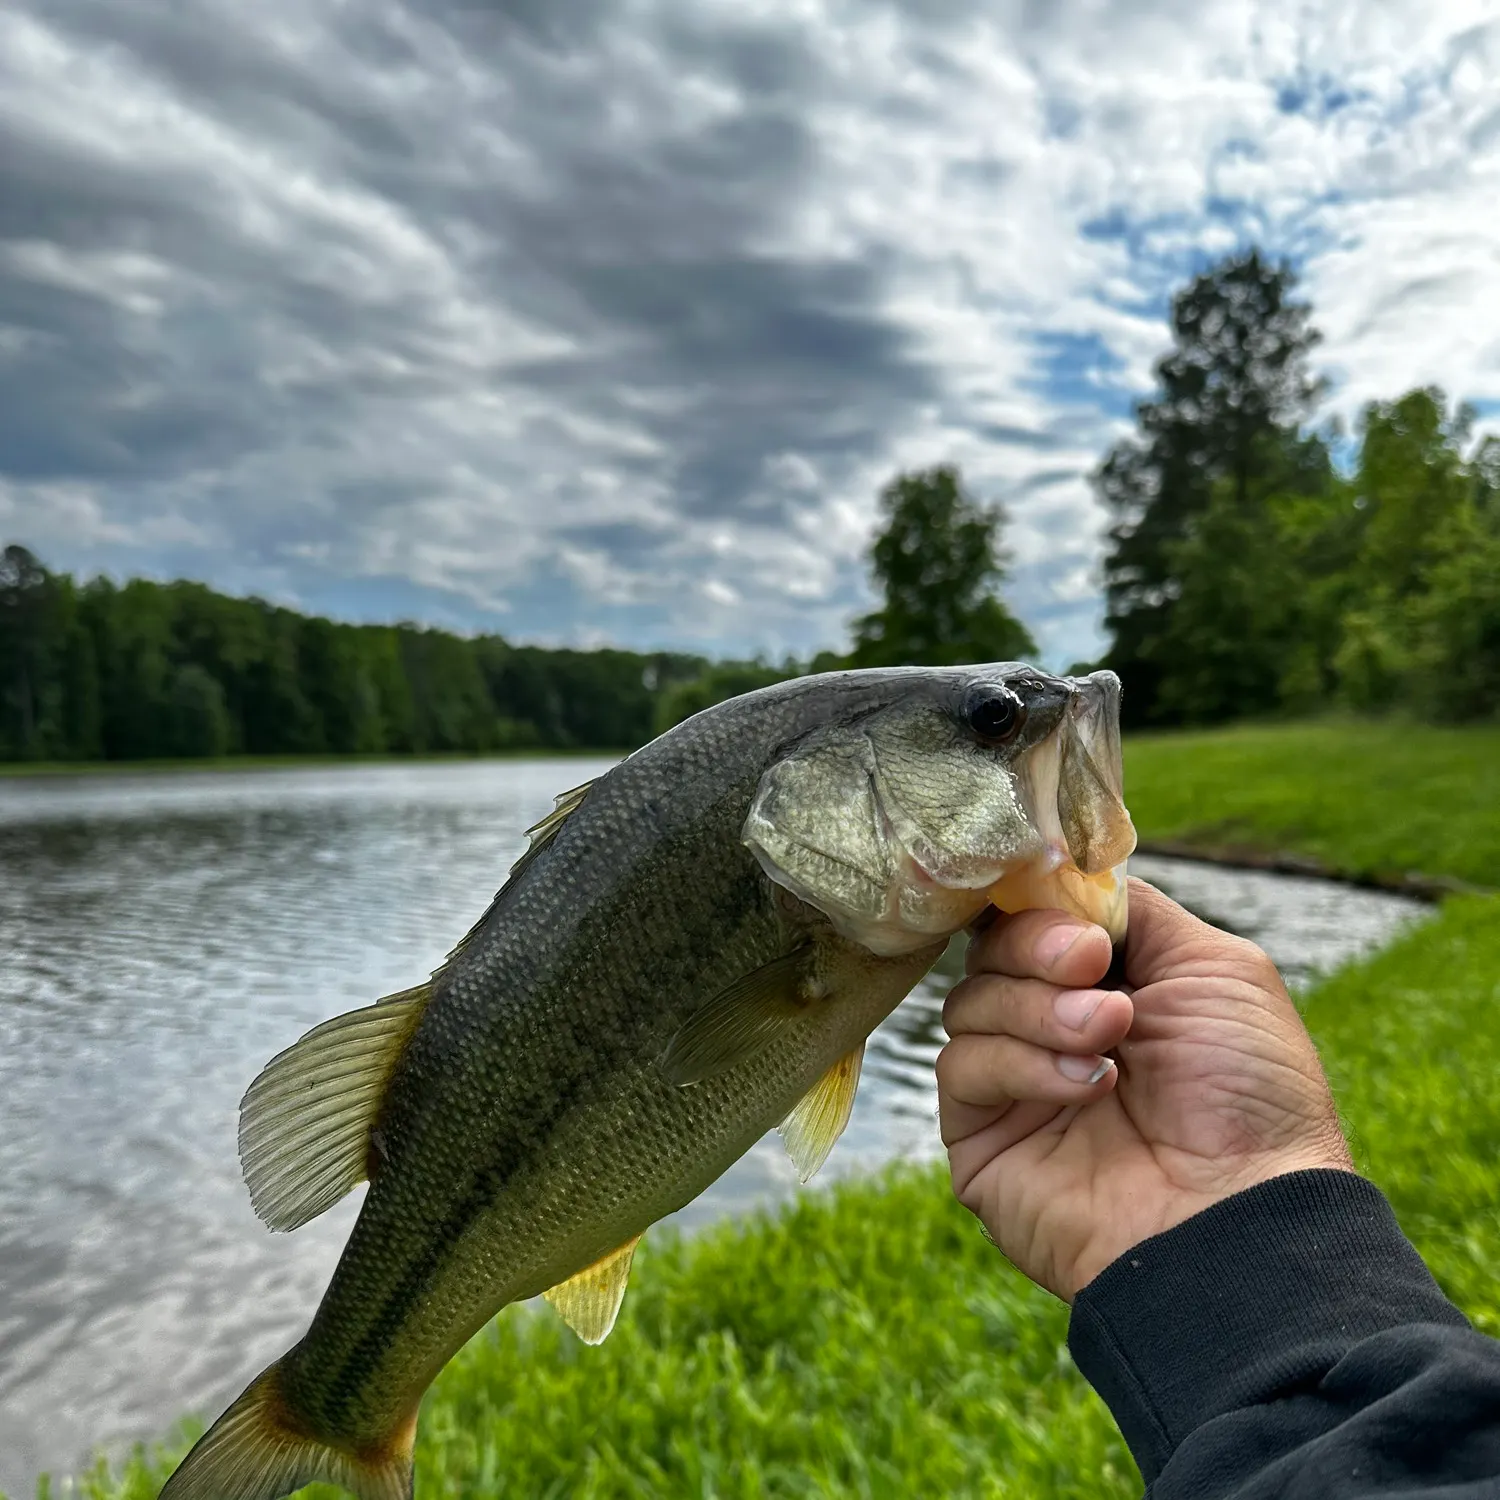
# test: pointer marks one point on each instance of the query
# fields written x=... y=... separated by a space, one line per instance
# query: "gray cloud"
x=573 y=316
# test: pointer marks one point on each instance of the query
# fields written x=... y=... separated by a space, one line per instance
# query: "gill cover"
x=900 y=829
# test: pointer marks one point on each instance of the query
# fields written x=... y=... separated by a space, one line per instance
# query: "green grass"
x=1408 y=1043
x=869 y=1342
x=1363 y=799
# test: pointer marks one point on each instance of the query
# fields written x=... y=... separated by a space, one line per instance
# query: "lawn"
x=1362 y=799
x=870 y=1342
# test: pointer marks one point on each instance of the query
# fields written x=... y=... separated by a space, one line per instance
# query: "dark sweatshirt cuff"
x=1250 y=1300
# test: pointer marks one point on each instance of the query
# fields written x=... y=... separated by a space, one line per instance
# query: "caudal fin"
x=255 y=1452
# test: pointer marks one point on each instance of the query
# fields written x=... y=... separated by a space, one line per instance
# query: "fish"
x=691 y=951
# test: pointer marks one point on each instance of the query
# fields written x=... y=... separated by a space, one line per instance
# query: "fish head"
x=932 y=793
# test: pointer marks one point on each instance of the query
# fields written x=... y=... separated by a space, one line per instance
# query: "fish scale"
x=697 y=942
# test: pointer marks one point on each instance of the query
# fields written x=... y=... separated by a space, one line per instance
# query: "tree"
x=196 y=721
x=1423 y=628
x=938 y=561
x=1234 y=390
x=26 y=601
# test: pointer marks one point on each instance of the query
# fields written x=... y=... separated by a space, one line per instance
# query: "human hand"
x=1217 y=1085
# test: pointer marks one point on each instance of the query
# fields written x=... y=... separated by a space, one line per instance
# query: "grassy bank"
x=1363 y=799
x=870 y=1342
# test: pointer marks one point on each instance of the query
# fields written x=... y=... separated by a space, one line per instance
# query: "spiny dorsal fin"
x=740 y=1020
x=305 y=1122
x=565 y=804
x=589 y=1302
x=818 y=1118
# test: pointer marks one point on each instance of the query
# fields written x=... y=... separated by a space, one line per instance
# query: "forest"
x=1257 y=565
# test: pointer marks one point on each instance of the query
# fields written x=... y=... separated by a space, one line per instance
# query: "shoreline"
x=25 y=770
x=1420 y=887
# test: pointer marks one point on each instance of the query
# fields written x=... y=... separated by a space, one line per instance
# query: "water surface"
x=163 y=936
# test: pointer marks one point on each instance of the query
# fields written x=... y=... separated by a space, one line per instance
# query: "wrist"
x=1156 y=1214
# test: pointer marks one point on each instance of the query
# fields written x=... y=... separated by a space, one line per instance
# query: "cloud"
x=586 y=320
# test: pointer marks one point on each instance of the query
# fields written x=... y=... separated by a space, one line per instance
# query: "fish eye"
x=995 y=714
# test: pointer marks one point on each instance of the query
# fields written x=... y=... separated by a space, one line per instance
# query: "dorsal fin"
x=305 y=1122
x=589 y=1301
x=818 y=1118
x=565 y=804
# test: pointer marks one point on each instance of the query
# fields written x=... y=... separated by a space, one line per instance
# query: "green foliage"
x=1423 y=630
x=726 y=680
x=1246 y=578
x=196 y=719
x=1234 y=388
x=937 y=561
x=1365 y=799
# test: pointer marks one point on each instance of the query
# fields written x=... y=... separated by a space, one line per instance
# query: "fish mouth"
x=1071 y=785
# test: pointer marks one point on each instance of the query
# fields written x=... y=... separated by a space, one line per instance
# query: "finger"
x=1062 y=1020
x=1167 y=941
x=970 y=1152
x=1042 y=945
x=990 y=1073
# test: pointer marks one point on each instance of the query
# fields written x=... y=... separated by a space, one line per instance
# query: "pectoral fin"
x=818 y=1118
x=589 y=1302
x=739 y=1020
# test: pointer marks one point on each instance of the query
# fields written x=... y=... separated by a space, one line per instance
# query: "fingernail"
x=1083 y=1069
x=1056 y=941
x=1074 y=1007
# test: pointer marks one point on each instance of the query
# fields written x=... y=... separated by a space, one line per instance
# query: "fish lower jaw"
x=1045 y=885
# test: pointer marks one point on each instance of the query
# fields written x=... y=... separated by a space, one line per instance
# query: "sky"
x=597 y=321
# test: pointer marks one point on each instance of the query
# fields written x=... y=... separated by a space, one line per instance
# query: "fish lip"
x=1088 y=881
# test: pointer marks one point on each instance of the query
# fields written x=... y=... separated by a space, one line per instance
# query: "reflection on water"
x=164 y=936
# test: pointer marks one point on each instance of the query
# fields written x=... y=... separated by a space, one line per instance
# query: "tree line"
x=96 y=671
x=1255 y=565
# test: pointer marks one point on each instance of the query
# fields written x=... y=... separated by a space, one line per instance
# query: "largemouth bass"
x=692 y=951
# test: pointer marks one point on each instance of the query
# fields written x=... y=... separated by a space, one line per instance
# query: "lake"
x=164 y=935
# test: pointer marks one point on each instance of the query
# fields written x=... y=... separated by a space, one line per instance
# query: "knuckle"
x=949 y=1063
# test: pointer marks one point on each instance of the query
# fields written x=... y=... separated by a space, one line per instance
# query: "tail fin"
x=255 y=1452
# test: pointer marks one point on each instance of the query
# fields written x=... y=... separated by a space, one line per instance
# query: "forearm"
x=1290 y=1340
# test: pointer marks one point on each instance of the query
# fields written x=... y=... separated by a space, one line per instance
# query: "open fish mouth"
x=1071 y=785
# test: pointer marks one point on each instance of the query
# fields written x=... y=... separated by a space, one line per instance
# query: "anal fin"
x=818 y=1118
x=589 y=1302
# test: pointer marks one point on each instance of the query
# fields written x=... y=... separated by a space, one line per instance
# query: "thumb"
x=1164 y=940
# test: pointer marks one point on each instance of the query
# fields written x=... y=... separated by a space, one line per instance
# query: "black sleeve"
x=1289 y=1341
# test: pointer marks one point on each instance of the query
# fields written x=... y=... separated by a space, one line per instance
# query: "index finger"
x=1050 y=945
